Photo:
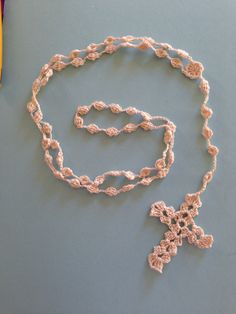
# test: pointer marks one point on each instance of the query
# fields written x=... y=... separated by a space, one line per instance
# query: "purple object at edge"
x=2 y=5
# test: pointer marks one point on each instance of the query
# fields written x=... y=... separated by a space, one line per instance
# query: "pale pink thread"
x=181 y=223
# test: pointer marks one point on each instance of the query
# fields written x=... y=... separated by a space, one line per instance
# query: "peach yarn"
x=180 y=223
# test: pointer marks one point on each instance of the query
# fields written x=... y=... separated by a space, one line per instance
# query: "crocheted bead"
x=110 y=49
x=74 y=53
x=207 y=132
x=93 y=189
x=74 y=183
x=99 y=105
x=130 y=175
x=127 y=38
x=47 y=128
x=146 y=126
x=146 y=181
x=176 y=63
x=115 y=108
x=93 y=128
x=37 y=116
x=56 y=58
x=92 y=56
x=99 y=180
x=161 y=53
x=206 y=112
x=59 y=66
x=45 y=143
x=82 y=110
x=207 y=177
x=146 y=116
x=77 y=62
x=160 y=163
x=145 y=45
x=144 y=172
x=78 y=121
x=54 y=144
x=44 y=69
x=168 y=136
x=127 y=187
x=182 y=53
x=109 y=40
x=67 y=172
x=204 y=87
x=84 y=180
x=131 y=111
x=193 y=70
x=31 y=106
x=111 y=191
x=129 y=128
x=162 y=173
x=36 y=86
x=112 y=132
x=213 y=150
x=92 y=48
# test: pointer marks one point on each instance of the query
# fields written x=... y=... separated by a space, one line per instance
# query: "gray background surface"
x=66 y=252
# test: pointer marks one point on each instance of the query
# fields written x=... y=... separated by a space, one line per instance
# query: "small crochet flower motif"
x=206 y=112
x=112 y=132
x=193 y=70
x=37 y=116
x=129 y=128
x=213 y=150
x=92 y=188
x=92 y=48
x=47 y=128
x=93 y=128
x=93 y=56
x=176 y=63
x=82 y=110
x=161 y=53
x=181 y=225
x=78 y=121
x=67 y=172
x=110 y=49
x=109 y=40
x=74 y=53
x=128 y=38
x=115 y=108
x=145 y=172
x=99 y=105
x=77 y=62
x=168 y=136
x=56 y=58
x=131 y=111
x=145 y=44
x=31 y=106
x=207 y=132
x=160 y=164
x=111 y=191
x=59 y=66
x=146 y=125
x=74 y=183
x=204 y=87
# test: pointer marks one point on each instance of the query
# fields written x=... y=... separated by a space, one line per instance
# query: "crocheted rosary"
x=180 y=223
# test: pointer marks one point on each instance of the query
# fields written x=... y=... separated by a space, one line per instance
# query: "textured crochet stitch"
x=180 y=222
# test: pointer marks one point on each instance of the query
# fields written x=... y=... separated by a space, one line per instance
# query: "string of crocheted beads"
x=184 y=225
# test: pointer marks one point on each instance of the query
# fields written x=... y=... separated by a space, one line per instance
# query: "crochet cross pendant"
x=181 y=225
